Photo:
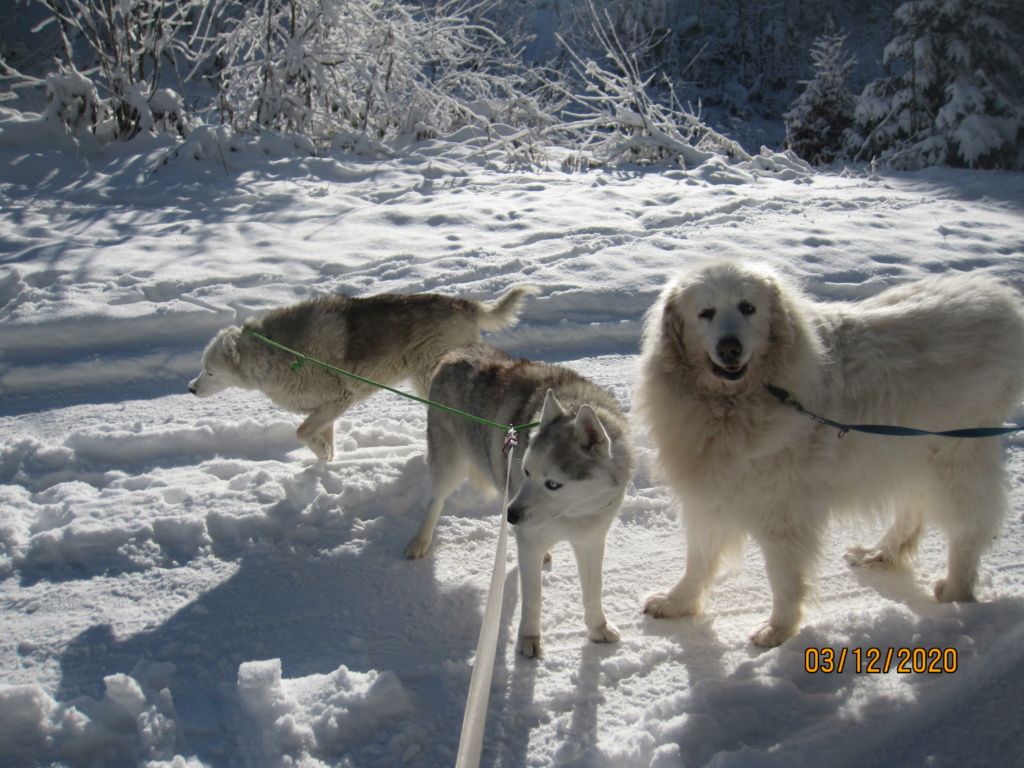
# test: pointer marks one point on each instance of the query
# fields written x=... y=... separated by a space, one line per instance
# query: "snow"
x=182 y=586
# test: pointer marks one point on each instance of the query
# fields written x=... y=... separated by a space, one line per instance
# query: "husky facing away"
x=568 y=483
x=386 y=338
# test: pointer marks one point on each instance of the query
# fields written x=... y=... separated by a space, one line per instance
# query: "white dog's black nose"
x=729 y=350
x=192 y=388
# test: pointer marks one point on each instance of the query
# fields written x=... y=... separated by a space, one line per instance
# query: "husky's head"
x=568 y=468
x=221 y=362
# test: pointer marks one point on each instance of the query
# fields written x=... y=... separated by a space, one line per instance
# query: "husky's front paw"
x=662 y=606
x=606 y=633
x=323 y=450
x=530 y=646
x=417 y=548
x=768 y=635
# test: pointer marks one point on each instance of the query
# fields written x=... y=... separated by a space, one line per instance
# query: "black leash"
x=882 y=429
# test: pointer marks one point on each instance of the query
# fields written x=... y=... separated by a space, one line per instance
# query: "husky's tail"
x=505 y=311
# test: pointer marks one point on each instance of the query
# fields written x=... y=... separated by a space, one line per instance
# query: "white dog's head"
x=569 y=468
x=221 y=362
x=721 y=321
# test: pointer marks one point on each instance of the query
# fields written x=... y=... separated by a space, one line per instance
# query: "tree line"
x=908 y=83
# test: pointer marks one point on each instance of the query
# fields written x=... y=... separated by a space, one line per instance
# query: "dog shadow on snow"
x=351 y=599
x=760 y=702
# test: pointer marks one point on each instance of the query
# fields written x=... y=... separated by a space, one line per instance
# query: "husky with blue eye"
x=569 y=476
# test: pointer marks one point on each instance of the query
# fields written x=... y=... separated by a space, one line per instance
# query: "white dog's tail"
x=505 y=311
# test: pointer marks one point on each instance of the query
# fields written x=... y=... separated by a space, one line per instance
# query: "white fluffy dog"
x=943 y=353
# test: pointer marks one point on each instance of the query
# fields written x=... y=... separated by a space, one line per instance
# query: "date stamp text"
x=880 y=661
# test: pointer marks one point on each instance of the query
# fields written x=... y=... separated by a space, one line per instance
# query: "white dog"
x=385 y=338
x=568 y=482
x=943 y=353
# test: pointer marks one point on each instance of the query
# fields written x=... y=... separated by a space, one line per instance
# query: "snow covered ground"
x=180 y=584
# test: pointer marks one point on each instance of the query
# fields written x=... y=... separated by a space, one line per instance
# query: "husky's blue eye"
x=551 y=485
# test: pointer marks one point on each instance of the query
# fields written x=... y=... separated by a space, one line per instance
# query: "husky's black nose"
x=729 y=350
x=515 y=514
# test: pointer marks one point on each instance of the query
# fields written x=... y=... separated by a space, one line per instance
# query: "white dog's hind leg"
x=973 y=479
x=590 y=562
x=787 y=561
x=898 y=544
x=531 y=565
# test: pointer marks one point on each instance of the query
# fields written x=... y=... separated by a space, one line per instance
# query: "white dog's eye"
x=707 y=314
x=526 y=471
x=746 y=308
x=551 y=485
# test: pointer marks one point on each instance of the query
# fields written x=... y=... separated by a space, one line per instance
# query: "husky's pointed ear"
x=552 y=409
x=230 y=342
x=591 y=434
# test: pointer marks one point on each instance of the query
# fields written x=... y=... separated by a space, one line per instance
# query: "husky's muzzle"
x=515 y=514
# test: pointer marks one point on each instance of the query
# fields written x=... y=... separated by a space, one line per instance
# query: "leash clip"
x=511 y=440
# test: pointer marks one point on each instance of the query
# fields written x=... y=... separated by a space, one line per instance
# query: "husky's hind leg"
x=448 y=468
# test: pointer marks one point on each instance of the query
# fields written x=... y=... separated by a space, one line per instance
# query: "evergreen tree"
x=955 y=95
x=818 y=119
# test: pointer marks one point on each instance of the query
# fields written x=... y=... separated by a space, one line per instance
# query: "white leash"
x=471 y=742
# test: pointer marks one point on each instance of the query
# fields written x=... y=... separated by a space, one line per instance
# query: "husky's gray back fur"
x=484 y=381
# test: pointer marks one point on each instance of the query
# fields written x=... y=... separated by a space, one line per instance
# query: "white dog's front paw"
x=663 y=606
x=768 y=635
x=417 y=548
x=530 y=646
x=946 y=593
x=606 y=633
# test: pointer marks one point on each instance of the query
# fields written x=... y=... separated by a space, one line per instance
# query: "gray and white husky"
x=386 y=338
x=568 y=482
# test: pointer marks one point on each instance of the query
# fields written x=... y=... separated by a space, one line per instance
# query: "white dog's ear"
x=552 y=409
x=591 y=434
x=230 y=342
x=783 y=323
x=672 y=325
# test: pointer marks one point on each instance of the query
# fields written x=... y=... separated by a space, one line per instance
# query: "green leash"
x=301 y=360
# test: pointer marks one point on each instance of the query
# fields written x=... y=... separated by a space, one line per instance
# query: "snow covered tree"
x=955 y=97
x=126 y=44
x=614 y=116
x=359 y=72
x=819 y=118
